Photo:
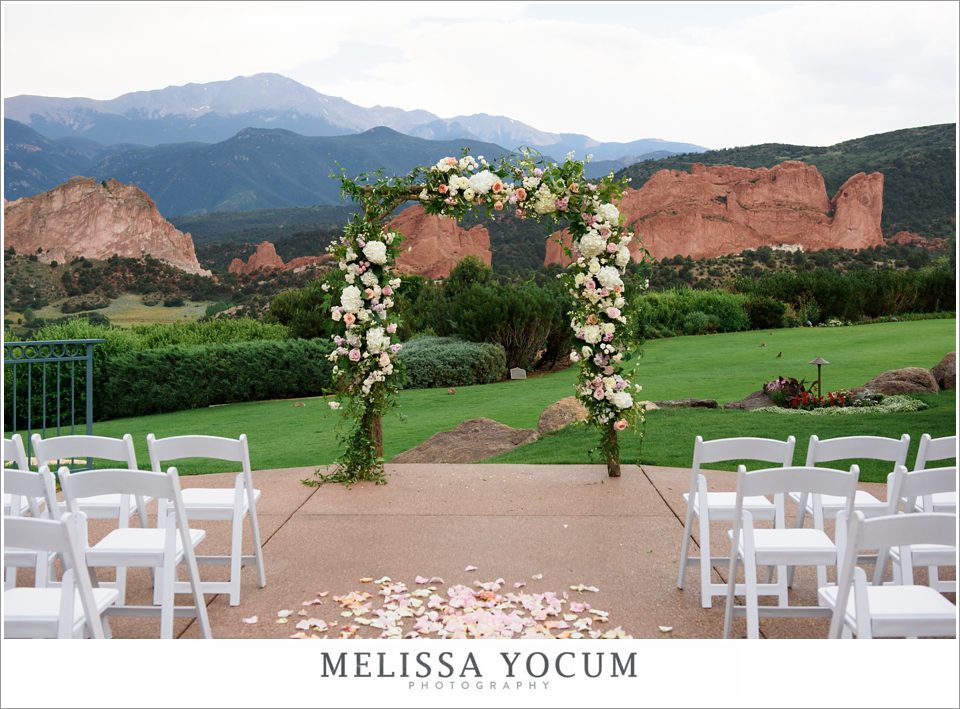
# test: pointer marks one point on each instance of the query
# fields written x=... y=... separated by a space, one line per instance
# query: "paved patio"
x=572 y=524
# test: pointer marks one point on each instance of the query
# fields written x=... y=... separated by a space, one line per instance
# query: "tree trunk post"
x=376 y=434
x=612 y=449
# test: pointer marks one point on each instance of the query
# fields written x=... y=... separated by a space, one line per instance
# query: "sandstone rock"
x=687 y=403
x=264 y=258
x=432 y=245
x=83 y=217
x=946 y=371
x=648 y=405
x=909 y=380
x=717 y=210
x=908 y=238
x=561 y=414
x=469 y=442
x=756 y=400
x=301 y=263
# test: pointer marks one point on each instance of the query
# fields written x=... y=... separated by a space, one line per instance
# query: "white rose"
x=578 y=279
x=376 y=252
x=350 y=255
x=592 y=244
x=530 y=183
x=609 y=277
x=608 y=328
x=369 y=279
x=463 y=183
x=594 y=266
x=608 y=213
x=621 y=399
x=351 y=300
x=586 y=352
x=469 y=194
x=591 y=334
x=623 y=256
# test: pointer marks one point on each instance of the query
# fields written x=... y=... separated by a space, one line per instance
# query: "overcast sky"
x=716 y=74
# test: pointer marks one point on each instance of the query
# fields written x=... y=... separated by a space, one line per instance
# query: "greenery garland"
x=365 y=355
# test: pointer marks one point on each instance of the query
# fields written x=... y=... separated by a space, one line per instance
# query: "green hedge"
x=192 y=376
x=446 y=362
x=691 y=312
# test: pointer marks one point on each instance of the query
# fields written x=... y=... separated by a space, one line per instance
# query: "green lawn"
x=725 y=367
x=128 y=310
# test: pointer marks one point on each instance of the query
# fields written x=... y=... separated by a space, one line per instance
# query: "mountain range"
x=214 y=112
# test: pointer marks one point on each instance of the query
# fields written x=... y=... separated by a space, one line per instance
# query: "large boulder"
x=908 y=380
x=756 y=400
x=471 y=441
x=561 y=414
x=946 y=371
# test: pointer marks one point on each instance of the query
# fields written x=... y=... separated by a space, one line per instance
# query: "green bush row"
x=191 y=376
x=683 y=311
x=447 y=362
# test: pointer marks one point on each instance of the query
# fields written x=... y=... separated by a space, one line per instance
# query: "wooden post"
x=612 y=449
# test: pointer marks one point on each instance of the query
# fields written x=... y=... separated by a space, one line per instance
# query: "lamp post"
x=819 y=361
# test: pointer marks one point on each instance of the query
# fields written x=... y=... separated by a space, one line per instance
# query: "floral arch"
x=365 y=354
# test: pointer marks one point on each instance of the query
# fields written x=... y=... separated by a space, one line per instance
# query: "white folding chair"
x=39 y=490
x=719 y=506
x=53 y=451
x=161 y=548
x=13 y=452
x=782 y=546
x=912 y=491
x=939 y=449
x=75 y=609
x=896 y=610
x=227 y=504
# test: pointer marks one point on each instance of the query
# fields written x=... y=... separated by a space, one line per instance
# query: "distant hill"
x=34 y=164
x=918 y=165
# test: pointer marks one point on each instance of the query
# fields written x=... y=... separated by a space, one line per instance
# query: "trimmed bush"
x=192 y=376
x=765 y=313
x=447 y=362
x=666 y=313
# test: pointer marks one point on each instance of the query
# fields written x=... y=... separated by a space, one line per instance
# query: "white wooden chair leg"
x=257 y=546
x=706 y=592
x=821 y=581
x=783 y=592
x=236 y=553
x=933 y=577
x=685 y=543
x=750 y=583
x=847 y=634
x=10 y=577
x=169 y=578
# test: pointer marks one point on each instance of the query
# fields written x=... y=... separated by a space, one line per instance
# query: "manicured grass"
x=128 y=310
x=725 y=367
x=669 y=435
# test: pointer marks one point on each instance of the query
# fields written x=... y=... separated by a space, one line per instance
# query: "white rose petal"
x=376 y=252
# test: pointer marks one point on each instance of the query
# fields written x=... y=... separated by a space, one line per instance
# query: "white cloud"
x=716 y=74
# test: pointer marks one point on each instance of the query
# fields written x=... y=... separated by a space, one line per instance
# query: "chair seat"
x=928 y=555
x=942 y=502
x=832 y=504
x=38 y=606
x=213 y=503
x=805 y=546
x=897 y=603
x=24 y=505
x=104 y=506
x=134 y=546
x=722 y=505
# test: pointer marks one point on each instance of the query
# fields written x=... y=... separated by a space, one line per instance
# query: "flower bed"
x=890 y=405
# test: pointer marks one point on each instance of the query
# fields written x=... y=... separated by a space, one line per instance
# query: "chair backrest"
x=893 y=450
x=67 y=538
x=14 y=452
x=878 y=533
x=935 y=449
x=801 y=479
x=903 y=485
x=90 y=483
x=36 y=487
x=179 y=447
x=767 y=450
x=59 y=448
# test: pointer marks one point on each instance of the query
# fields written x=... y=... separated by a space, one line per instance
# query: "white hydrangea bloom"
x=608 y=213
x=621 y=399
x=376 y=252
x=623 y=256
x=377 y=340
x=592 y=334
x=609 y=277
x=483 y=181
x=592 y=244
x=351 y=300
x=369 y=279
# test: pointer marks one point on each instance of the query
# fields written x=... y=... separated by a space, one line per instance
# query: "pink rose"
x=574 y=188
x=392 y=328
x=336 y=314
x=498 y=206
x=598 y=394
x=611 y=248
x=613 y=313
x=349 y=319
x=608 y=371
x=384 y=359
x=442 y=189
x=497 y=187
x=354 y=355
x=521 y=194
x=387 y=291
x=620 y=425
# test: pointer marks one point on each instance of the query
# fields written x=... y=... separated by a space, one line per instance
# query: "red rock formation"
x=301 y=263
x=264 y=258
x=712 y=211
x=433 y=245
x=908 y=238
x=83 y=217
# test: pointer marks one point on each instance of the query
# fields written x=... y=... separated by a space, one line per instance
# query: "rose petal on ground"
x=471 y=567
x=422 y=579
x=383 y=579
x=303 y=613
x=314 y=602
x=519 y=584
x=251 y=620
x=284 y=614
x=436 y=579
x=298 y=636
x=367 y=579
x=665 y=628
x=281 y=621
x=537 y=577
x=322 y=594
